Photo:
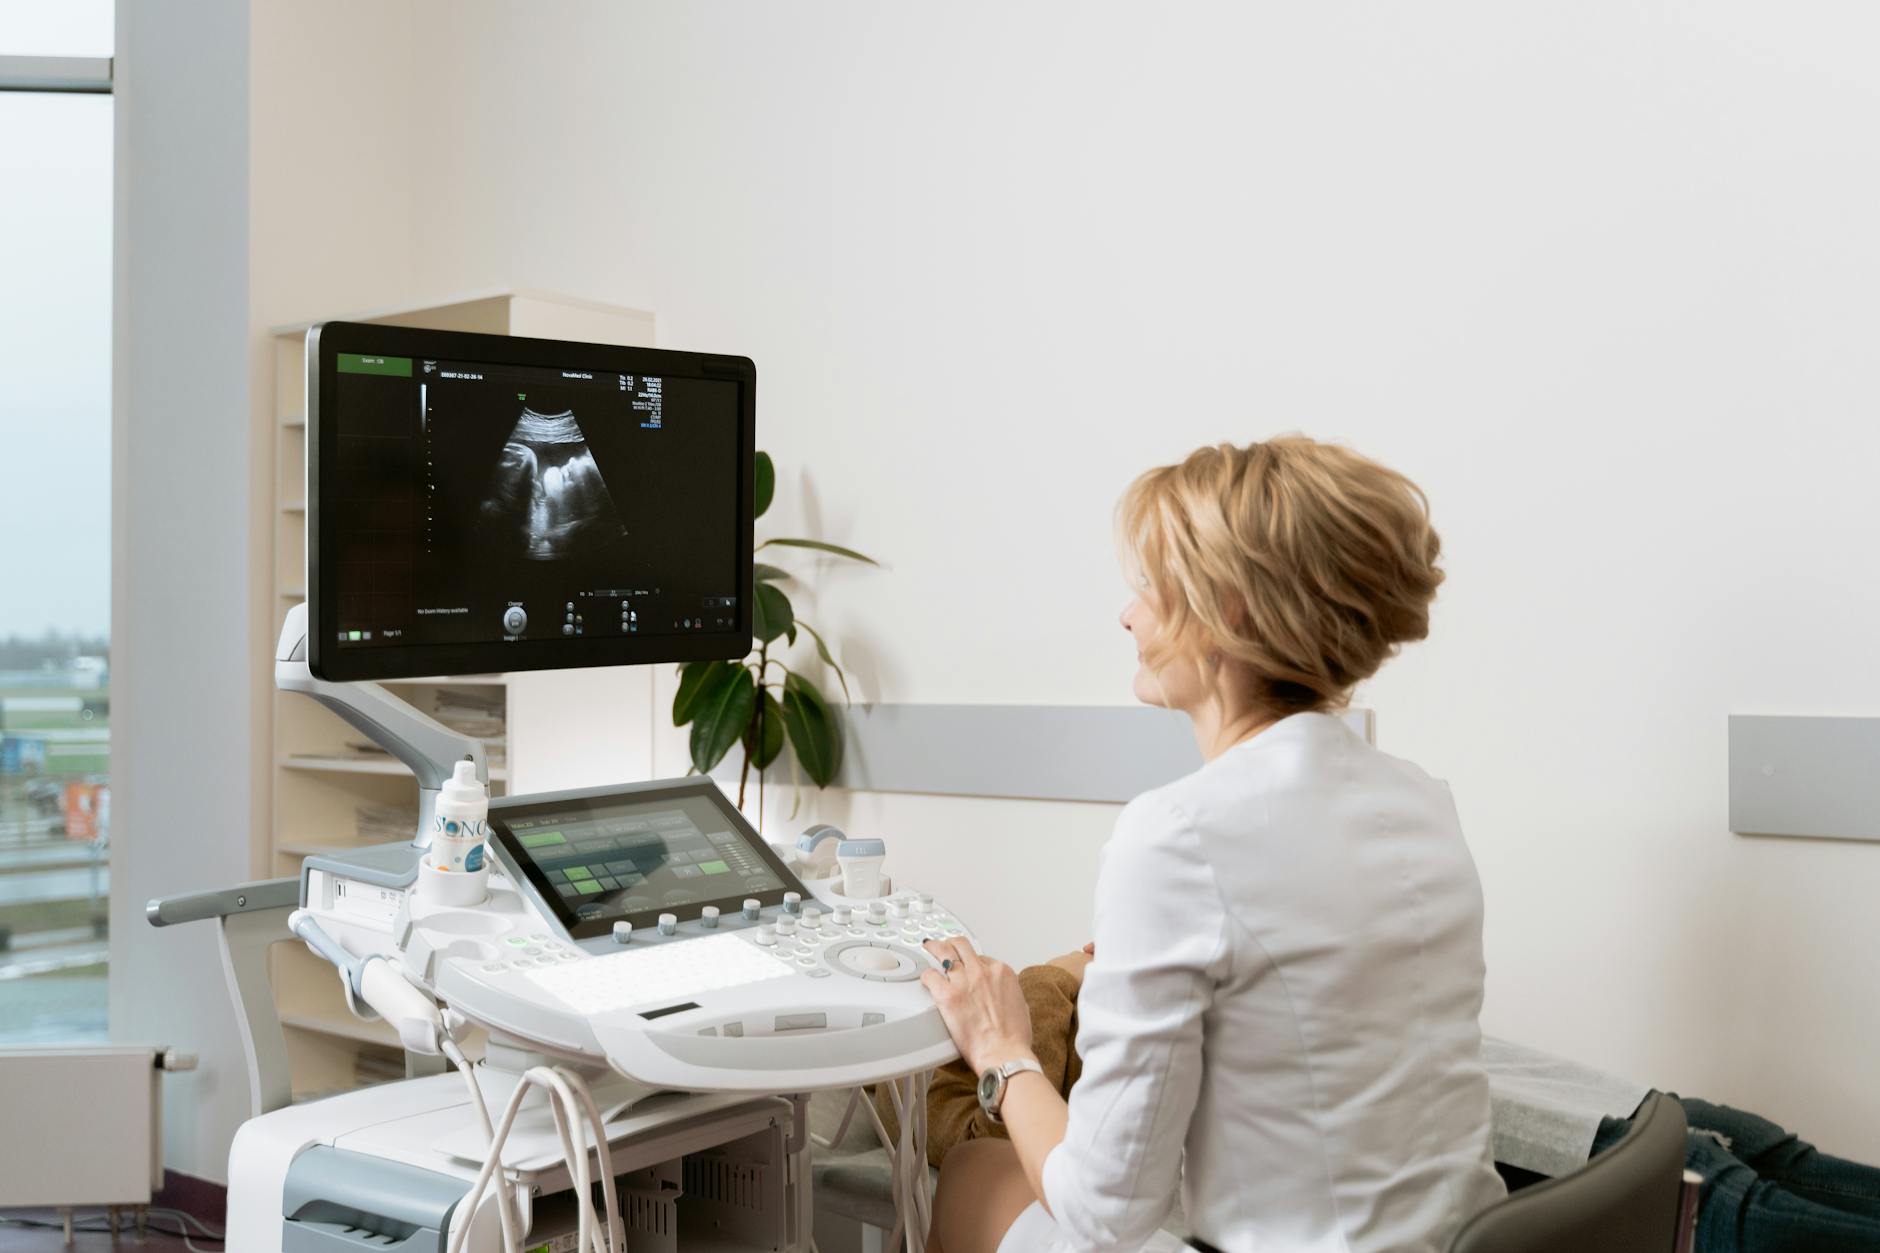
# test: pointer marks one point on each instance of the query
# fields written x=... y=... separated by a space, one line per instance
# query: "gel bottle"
x=457 y=868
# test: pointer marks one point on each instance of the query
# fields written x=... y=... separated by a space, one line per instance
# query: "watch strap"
x=1005 y=1071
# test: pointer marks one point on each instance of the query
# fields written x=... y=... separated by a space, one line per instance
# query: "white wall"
x=1599 y=276
x=260 y=181
x=183 y=577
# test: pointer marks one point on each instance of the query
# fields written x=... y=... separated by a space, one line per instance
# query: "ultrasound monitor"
x=482 y=503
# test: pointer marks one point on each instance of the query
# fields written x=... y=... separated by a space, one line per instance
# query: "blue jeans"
x=1768 y=1191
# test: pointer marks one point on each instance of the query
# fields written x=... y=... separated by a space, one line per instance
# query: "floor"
x=15 y=1238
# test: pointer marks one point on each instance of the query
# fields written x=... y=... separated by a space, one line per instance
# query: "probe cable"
x=568 y=1099
x=505 y=1198
x=570 y=1104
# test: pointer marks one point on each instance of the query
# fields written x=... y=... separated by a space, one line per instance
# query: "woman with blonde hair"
x=1281 y=1015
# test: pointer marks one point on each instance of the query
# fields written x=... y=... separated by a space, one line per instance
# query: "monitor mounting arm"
x=431 y=749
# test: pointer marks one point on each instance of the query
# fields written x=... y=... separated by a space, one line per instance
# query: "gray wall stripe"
x=1107 y=753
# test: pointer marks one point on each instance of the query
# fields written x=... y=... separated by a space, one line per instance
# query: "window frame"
x=83 y=75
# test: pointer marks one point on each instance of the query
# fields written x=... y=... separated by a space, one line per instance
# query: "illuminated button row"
x=532 y=950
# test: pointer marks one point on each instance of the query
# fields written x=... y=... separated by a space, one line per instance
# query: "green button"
x=578 y=872
x=516 y=941
x=588 y=887
x=354 y=363
x=543 y=838
x=714 y=867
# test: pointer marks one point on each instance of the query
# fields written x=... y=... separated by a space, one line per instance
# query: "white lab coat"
x=1286 y=989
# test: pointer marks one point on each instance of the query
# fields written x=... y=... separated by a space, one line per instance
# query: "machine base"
x=386 y=1167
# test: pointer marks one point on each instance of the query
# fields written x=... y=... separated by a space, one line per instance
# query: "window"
x=55 y=518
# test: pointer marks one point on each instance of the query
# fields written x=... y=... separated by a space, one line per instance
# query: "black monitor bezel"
x=516 y=859
x=324 y=344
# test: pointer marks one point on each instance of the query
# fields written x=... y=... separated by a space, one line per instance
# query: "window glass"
x=55 y=556
x=55 y=28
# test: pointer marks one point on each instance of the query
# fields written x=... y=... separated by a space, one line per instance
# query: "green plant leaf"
x=770 y=574
x=694 y=678
x=724 y=709
x=822 y=650
x=771 y=614
x=765 y=486
x=819 y=546
x=772 y=715
x=813 y=730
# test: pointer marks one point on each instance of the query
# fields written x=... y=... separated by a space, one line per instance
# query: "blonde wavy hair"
x=1306 y=562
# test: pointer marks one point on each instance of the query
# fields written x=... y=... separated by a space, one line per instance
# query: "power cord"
x=83 y=1223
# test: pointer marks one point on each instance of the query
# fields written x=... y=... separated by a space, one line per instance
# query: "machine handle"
x=244 y=898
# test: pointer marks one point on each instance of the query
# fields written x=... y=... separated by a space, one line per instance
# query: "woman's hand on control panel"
x=980 y=1001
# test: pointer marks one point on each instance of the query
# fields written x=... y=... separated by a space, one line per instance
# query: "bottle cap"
x=463 y=784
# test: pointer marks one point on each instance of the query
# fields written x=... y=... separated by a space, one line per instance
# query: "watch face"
x=988 y=1087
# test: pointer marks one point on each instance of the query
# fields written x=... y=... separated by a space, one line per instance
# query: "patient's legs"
x=1779 y=1155
x=983 y=1190
x=1767 y=1191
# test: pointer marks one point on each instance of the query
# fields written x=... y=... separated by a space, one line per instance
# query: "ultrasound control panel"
x=611 y=931
x=798 y=1001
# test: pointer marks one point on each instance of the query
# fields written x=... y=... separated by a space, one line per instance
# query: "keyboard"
x=668 y=972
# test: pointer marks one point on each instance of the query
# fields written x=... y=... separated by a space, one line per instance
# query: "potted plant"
x=760 y=702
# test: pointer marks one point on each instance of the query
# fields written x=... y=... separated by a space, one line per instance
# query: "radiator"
x=80 y=1126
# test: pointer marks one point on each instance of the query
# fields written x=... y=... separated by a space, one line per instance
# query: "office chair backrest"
x=1626 y=1200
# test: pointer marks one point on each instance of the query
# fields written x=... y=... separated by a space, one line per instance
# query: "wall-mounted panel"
x=1805 y=776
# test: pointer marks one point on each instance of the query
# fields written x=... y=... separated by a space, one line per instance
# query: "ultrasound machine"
x=660 y=987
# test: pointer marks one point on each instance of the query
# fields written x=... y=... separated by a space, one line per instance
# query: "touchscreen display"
x=603 y=859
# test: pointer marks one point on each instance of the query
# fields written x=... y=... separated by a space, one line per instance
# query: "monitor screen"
x=480 y=503
x=598 y=858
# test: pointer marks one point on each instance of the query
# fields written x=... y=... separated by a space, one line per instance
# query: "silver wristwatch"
x=992 y=1083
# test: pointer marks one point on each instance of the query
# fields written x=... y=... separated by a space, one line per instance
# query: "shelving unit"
x=323 y=782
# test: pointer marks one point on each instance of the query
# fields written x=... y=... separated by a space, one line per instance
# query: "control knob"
x=877 y=912
x=842 y=915
x=623 y=932
x=792 y=902
x=898 y=907
x=786 y=925
x=708 y=917
x=668 y=923
x=812 y=917
x=751 y=906
x=767 y=934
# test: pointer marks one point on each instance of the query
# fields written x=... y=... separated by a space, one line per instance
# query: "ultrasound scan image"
x=546 y=500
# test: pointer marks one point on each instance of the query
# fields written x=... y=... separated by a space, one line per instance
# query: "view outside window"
x=55 y=536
